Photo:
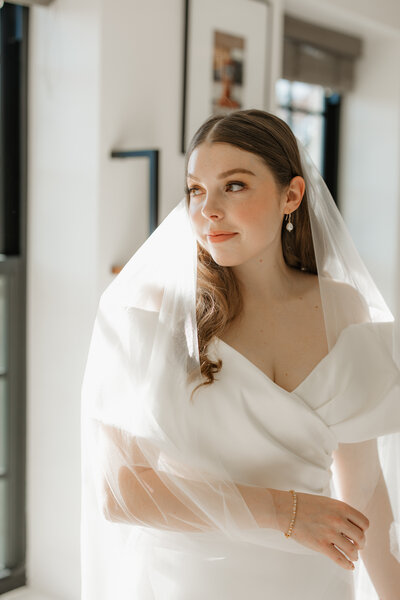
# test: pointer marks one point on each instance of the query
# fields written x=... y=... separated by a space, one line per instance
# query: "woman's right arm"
x=140 y=497
x=148 y=501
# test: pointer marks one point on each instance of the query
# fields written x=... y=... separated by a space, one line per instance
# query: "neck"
x=266 y=278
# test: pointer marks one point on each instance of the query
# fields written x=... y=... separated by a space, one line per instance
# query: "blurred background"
x=98 y=100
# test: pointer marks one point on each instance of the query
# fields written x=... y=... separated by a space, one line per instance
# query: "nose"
x=212 y=208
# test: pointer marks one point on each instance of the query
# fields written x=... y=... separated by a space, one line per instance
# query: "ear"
x=293 y=194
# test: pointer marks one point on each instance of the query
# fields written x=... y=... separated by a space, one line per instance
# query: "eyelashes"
x=188 y=190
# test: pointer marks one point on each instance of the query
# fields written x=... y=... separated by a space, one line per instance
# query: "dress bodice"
x=261 y=434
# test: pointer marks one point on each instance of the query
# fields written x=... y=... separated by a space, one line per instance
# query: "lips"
x=220 y=237
x=220 y=232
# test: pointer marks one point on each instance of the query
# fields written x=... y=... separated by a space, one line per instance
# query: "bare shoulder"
x=343 y=298
x=347 y=299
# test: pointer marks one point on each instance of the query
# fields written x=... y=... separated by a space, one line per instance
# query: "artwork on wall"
x=153 y=158
x=227 y=72
x=225 y=59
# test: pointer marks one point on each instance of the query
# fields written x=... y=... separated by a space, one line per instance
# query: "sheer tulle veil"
x=144 y=343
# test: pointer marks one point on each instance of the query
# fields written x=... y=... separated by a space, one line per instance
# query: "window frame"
x=13 y=210
x=330 y=136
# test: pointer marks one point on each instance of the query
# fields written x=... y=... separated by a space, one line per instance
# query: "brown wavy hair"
x=218 y=296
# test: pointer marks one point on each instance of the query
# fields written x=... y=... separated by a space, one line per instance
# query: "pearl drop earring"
x=289 y=224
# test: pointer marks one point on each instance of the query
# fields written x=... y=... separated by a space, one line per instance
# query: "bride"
x=240 y=372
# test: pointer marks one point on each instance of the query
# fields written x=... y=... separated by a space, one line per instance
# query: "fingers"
x=348 y=540
x=357 y=518
x=346 y=545
x=337 y=556
x=353 y=532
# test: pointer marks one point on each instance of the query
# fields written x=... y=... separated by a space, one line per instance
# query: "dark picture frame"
x=153 y=156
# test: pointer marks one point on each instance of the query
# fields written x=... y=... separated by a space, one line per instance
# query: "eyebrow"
x=225 y=173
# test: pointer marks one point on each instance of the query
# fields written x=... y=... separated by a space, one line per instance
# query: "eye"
x=190 y=190
x=235 y=183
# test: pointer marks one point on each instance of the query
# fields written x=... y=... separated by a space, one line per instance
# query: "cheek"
x=192 y=213
x=255 y=214
x=196 y=219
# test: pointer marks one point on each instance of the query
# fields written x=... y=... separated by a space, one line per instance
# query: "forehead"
x=209 y=160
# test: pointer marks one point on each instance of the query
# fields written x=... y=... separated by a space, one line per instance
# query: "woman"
x=241 y=350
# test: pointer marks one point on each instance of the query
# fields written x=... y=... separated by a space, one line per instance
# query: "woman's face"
x=248 y=204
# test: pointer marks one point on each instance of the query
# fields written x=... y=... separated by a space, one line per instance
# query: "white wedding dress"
x=266 y=436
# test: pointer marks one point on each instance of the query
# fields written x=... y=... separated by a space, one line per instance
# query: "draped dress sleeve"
x=357 y=393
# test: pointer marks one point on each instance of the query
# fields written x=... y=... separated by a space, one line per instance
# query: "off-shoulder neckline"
x=314 y=370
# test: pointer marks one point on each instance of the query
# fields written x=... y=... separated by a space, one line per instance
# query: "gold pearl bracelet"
x=294 y=509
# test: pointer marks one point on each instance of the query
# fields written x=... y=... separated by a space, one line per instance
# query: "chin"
x=225 y=261
x=219 y=258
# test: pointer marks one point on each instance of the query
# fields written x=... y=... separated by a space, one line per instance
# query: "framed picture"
x=225 y=59
x=134 y=221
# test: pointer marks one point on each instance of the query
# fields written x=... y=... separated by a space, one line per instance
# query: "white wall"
x=62 y=284
x=107 y=75
x=369 y=162
x=141 y=95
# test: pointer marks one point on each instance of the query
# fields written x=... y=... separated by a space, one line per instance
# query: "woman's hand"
x=324 y=524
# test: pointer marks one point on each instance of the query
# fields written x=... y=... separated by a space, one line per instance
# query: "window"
x=312 y=112
x=13 y=78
